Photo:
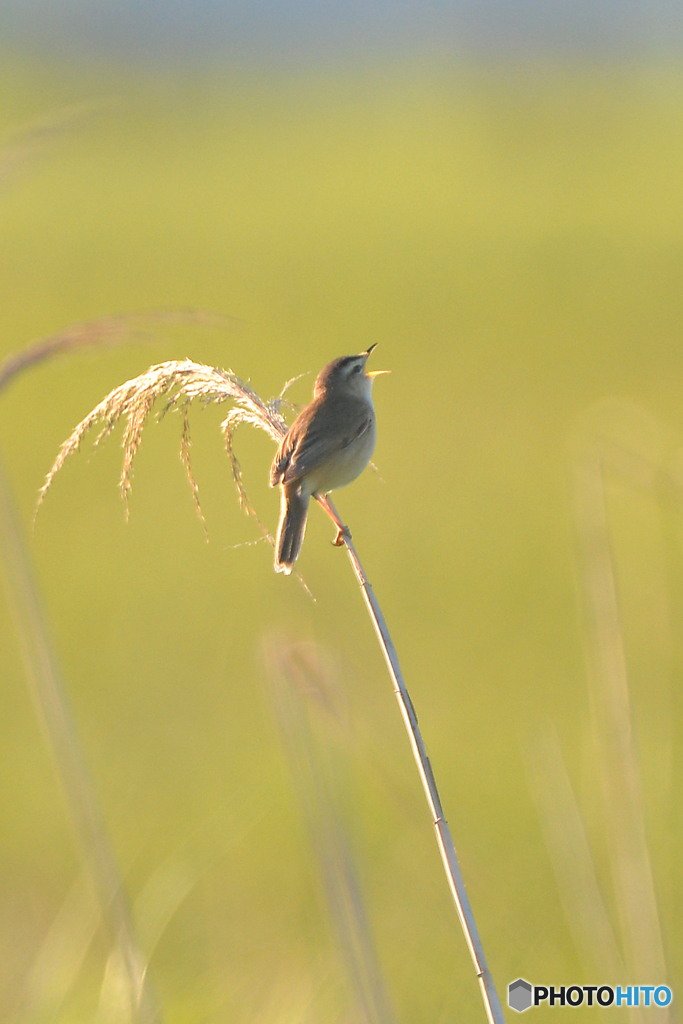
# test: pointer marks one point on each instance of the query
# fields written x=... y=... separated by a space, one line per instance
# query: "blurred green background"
x=512 y=237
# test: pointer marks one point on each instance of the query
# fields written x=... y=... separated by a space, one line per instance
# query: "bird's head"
x=347 y=376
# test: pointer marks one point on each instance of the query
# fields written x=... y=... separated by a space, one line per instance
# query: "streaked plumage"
x=329 y=444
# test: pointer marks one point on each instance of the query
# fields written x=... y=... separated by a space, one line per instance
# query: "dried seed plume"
x=180 y=383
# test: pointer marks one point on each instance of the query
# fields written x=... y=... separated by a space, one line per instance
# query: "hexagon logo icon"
x=519 y=995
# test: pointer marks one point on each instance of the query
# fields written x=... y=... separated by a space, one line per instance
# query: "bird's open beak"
x=373 y=373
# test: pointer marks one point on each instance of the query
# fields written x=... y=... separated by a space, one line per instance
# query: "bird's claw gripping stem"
x=343 y=534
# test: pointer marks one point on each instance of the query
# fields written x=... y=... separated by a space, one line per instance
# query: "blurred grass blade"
x=577 y=882
x=26 y=142
x=164 y=892
x=574 y=870
x=49 y=982
x=611 y=712
x=53 y=713
x=60 y=957
x=172 y=882
x=106 y=330
x=302 y=690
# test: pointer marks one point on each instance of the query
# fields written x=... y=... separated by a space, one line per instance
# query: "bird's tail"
x=291 y=528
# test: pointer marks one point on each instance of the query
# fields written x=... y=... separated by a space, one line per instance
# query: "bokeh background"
x=494 y=194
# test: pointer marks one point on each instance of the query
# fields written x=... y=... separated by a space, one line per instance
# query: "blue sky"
x=310 y=29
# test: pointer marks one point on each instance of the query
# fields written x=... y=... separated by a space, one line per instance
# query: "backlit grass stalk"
x=182 y=382
x=611 y=712
x=45 y=683
x=577 y=880
x=307 y=707
x=52 y=709
x=443 y=832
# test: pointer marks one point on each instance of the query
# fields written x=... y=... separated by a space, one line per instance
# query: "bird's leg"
x=343 y=532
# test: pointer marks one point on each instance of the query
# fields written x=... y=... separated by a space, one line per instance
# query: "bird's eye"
x=357 y=368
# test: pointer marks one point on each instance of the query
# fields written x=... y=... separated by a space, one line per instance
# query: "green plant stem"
x=52 y=709
x=449 y=857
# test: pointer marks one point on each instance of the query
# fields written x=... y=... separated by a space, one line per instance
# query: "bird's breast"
x=344 y=465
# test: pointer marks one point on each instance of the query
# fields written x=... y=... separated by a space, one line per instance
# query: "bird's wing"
x=310 y=443
x=281 y=460
x=280 y=469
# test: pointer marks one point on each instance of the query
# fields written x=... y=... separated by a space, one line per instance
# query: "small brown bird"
x=329 y=444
